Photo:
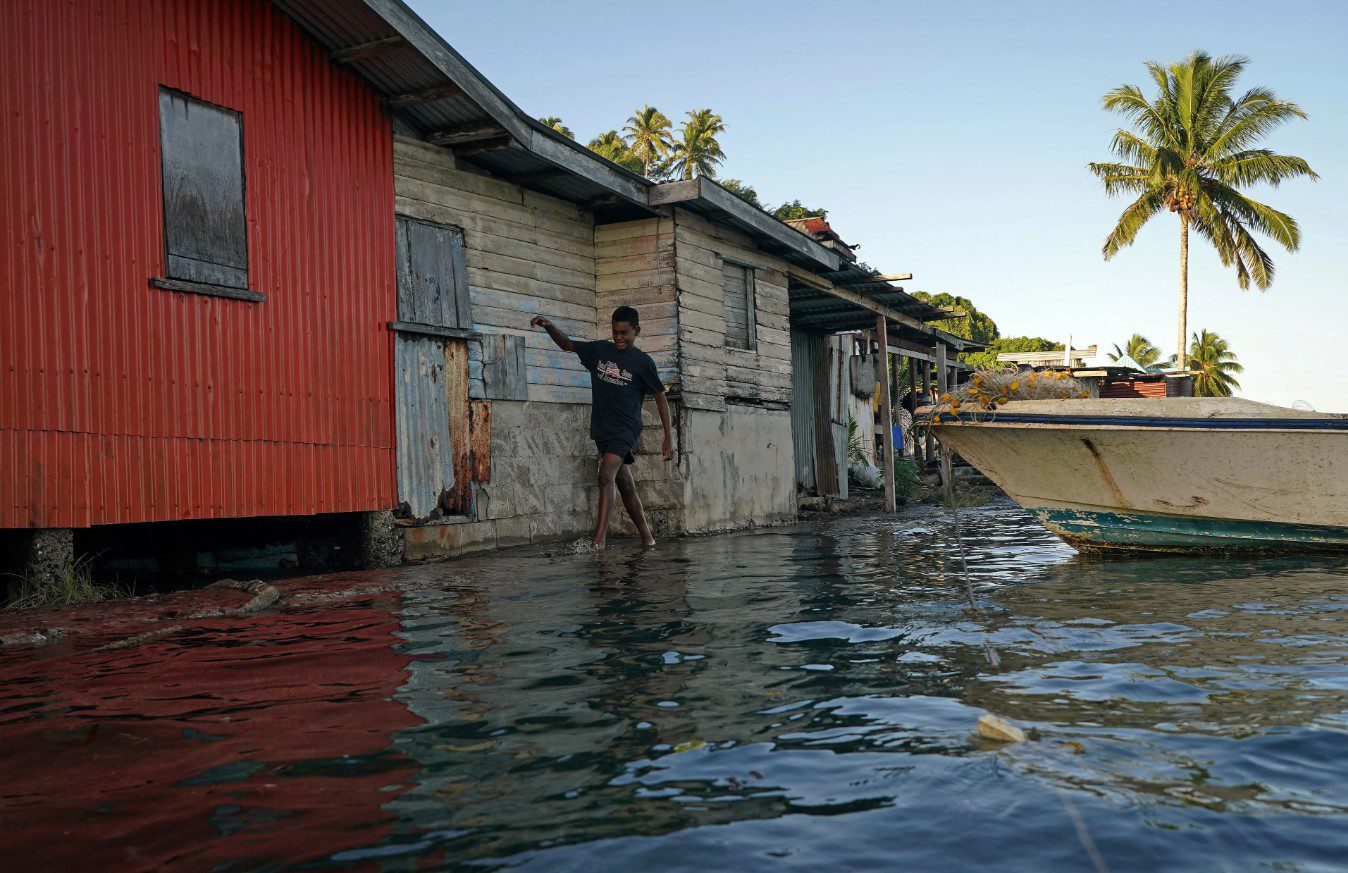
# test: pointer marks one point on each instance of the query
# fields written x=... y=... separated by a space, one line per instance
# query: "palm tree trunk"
x=1181 y=357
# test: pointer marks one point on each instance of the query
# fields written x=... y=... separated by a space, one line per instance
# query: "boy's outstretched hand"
x=561 y=339
x=668 y=450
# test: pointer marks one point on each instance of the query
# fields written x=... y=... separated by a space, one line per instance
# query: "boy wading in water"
x=621 y=376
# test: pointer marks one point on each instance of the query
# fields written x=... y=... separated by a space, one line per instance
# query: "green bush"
x=907 y=479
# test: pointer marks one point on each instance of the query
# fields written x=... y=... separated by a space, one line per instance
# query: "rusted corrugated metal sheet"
x=425 y=459
x=1133 y=389
x=479 y=437
x=120 y=402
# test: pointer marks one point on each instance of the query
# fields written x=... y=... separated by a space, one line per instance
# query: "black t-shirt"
x=620 y=380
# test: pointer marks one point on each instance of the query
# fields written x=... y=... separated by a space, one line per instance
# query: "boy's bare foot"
x=648 y=543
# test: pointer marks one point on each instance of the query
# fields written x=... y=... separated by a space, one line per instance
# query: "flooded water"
x=789 y=699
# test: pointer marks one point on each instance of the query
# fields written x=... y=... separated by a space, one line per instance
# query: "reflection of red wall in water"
x=104 y=772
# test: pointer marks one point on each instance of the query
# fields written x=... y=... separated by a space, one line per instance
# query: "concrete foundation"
x=45 y=553
x=740 y=469
x=734 y=469
x=381 y=540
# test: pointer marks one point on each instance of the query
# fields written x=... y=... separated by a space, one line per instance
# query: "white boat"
x=1174 y=474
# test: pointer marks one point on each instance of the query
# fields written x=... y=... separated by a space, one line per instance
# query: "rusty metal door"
x=431 y=357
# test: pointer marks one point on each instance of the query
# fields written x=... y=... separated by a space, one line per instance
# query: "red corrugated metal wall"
x=120 y=402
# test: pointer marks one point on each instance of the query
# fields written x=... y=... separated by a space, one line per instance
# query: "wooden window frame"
x=169 y=282
x=750 y=303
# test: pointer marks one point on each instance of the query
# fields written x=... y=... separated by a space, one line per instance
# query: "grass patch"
x=75 y=585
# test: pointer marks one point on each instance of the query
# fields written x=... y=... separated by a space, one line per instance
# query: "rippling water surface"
x=800 y=698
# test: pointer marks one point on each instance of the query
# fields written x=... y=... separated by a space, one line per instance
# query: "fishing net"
x=979 y=398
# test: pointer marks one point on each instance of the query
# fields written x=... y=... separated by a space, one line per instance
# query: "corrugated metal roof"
x=404 y=57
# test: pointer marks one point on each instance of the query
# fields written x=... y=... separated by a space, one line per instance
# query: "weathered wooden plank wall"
x=527 y=254
x=712 y=372
x=635 y=265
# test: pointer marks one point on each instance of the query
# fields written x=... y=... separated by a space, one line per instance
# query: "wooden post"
x=912 y=389
x=942 y=371
x=926 y=398
x=886 y=412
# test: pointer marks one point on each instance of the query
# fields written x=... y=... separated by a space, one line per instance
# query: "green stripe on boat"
x=1088 y=529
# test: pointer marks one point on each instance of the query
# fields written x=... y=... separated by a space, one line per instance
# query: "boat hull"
x=1092 y=530
x=1167 y=480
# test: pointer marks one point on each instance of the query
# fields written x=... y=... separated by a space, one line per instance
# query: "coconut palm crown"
x=1140 y=349
x=556 y=124
x=611 y=145
x=648 y=137
x=1213 y=364
x=1191 y=150
x=696 y=152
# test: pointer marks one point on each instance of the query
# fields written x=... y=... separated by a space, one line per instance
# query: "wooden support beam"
x=425 y=95
x=886 y=277
x=539 y=176
x=942 y=370
x=363 y=50
x=604 y=200
x=465 y=134
x=886 y=414
x=482 y=146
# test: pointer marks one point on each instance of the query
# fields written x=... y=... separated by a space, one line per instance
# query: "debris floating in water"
x=991 y=727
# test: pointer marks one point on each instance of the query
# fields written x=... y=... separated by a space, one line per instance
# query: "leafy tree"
x=697 y=152
x=1140 y=349
x=611 y=145
x=797 y=210
x=555 y=123
x=742 y=190
x=1215 y=364
x=649 y=137
x=976 y=326
x=988 y=357
x=1191 y=150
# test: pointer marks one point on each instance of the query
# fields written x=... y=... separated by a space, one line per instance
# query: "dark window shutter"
x=503 y=367
x=740 y=321
x=432 y=275
x=205 y=232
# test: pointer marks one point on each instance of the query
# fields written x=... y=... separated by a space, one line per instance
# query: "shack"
x=853 y=332
x=199 y=274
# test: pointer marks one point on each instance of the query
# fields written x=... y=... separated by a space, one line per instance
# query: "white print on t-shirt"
x=613 y=374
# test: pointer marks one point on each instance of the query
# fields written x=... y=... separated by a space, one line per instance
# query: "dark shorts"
x=619 y=447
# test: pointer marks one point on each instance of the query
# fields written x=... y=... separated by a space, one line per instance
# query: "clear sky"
x=951 y=141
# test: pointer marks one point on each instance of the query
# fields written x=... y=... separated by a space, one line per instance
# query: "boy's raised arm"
x=562 y=340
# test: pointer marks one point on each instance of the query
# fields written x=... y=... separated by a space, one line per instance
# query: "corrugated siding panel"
x=805 y=355
x=120 y=402
x=1133 y=389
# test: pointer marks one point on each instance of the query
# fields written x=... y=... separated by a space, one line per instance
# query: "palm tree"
x=1191 y=150
x=611 y=145
x=697 y=152
x=649 y=137
x=1214 y=363
x=1140 y=349
x=555 y=123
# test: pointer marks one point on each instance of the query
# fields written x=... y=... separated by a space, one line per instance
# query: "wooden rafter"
x=425 y=95
x=363 y=50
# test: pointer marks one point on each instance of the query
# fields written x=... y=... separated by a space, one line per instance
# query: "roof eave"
x=704 y=194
